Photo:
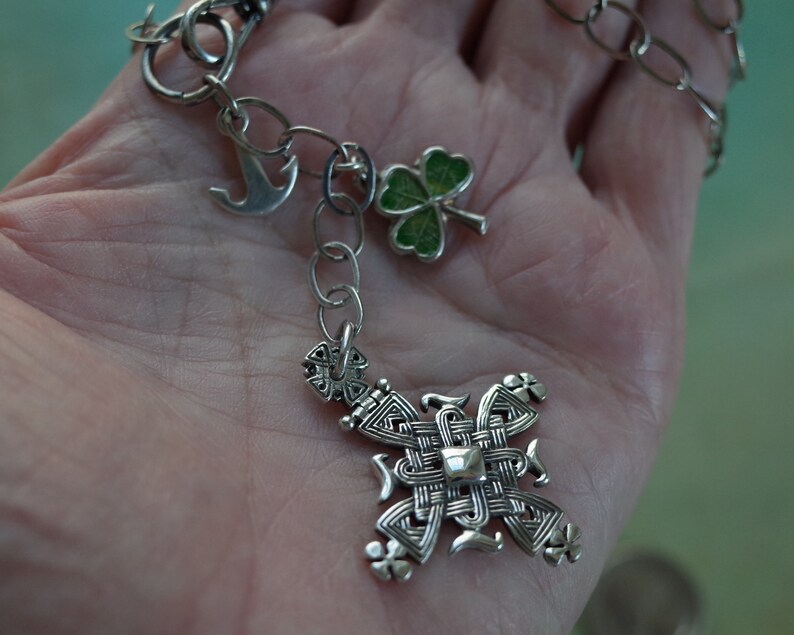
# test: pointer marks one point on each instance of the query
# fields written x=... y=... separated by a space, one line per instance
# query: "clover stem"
x=471 y=220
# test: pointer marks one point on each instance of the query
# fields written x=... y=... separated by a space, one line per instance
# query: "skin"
x=163 y=469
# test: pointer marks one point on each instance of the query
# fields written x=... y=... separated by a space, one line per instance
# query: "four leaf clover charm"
x=421 y=199
x=388 y=563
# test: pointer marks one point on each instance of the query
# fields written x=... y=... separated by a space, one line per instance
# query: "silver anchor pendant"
x=262 y=197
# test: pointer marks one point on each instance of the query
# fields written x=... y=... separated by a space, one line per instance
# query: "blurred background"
x=720 y=502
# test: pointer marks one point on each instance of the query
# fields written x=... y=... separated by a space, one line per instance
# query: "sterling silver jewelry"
x=642 y=42
x=455 y=466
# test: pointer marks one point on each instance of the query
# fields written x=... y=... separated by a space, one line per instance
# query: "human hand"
x=162 y=467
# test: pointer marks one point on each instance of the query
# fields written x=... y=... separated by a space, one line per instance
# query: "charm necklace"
x=453 y=465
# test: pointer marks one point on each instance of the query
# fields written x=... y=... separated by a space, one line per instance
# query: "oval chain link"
x=347 y=254
x=361 y=164
x=731 y=27
x=358 y=217
x=684 y=78
x=352 y=295
x=641 y=44
x=355 y=159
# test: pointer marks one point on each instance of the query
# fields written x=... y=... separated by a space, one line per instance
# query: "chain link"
x=363 y=168
x=226 y=124
x=252 y=13
x=346 y=254
x=223 y=96
x=354 y=210
x=356 y=301
x=357 y=160
x=682 y=81
x=730 y=27
x=643 y=41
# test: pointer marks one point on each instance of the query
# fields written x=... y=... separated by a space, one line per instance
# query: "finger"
x=334 y=10
x=450 y=24
x=646 y=151
x=337 y=11
x=546 y=60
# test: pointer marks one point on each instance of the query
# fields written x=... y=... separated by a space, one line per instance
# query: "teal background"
x=721 y=498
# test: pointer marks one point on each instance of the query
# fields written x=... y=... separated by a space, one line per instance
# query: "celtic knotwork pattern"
x=460 y=468
x=319 y=364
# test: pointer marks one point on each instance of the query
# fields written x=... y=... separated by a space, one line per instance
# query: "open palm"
x=163 y=469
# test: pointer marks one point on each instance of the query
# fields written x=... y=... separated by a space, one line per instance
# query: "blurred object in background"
x=643 y=593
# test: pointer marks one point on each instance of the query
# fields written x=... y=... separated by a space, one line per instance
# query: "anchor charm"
x=262 y=196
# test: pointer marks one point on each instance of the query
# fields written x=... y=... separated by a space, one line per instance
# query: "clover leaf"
x=421 y=198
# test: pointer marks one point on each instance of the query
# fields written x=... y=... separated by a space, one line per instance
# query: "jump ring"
x=206 y=91
x=133 y=37
x=345 y=335
x=190 y=19
x=223 y=96
x=225 y=124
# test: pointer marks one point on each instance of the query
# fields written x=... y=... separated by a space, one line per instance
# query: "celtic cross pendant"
x=455 y=467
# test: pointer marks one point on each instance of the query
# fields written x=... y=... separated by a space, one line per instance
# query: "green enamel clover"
x=421 y=199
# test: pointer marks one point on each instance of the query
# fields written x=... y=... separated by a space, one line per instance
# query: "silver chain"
x=234 y=119
x=643 y=41
x=357 y=162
